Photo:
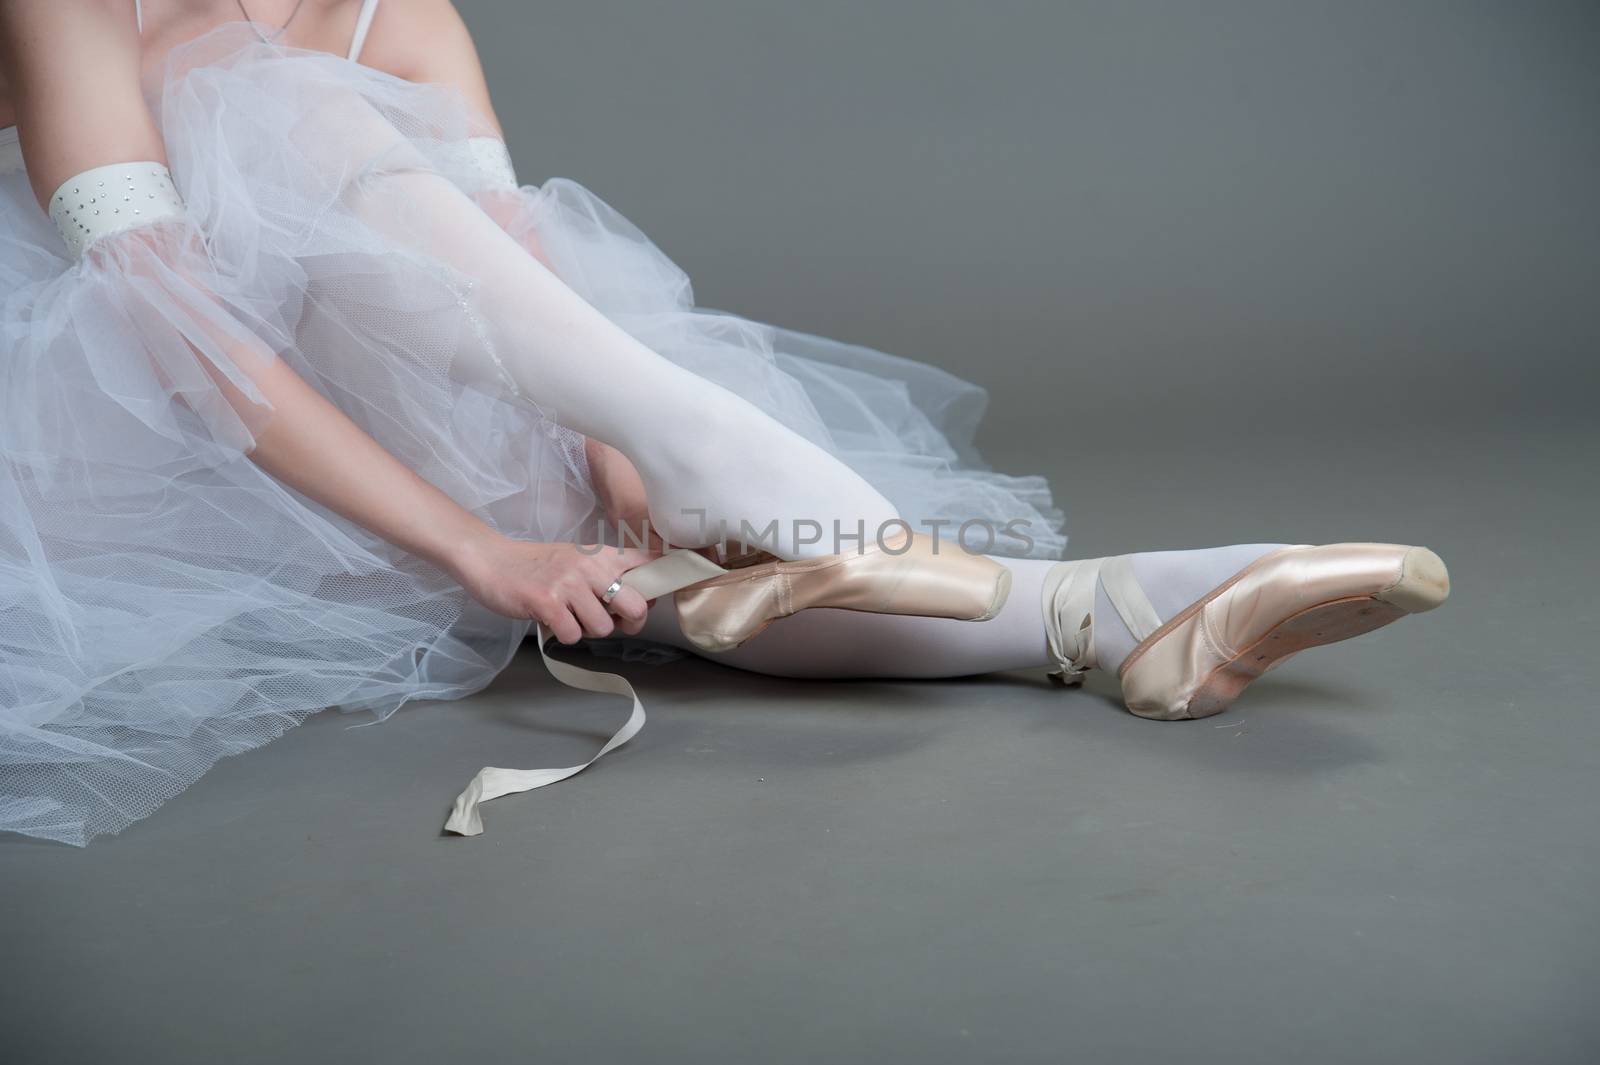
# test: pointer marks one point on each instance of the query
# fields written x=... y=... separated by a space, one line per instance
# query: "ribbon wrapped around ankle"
x=661 y=576
x=1068 y=600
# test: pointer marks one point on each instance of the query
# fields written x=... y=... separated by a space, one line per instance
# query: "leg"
x=696 y=445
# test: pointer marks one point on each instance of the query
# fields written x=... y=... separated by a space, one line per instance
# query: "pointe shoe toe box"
x=1196 y=664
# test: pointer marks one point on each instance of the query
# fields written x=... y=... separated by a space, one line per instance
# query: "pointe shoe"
x=905 y=576
x=1195 y=664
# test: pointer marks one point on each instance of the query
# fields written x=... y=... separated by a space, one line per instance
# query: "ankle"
x=1174 y=580
x=1097 y=611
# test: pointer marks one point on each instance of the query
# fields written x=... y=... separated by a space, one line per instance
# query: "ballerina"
x=309 y=403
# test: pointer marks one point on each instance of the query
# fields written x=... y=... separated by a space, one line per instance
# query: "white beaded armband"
x=110 y=199
x=488 y=159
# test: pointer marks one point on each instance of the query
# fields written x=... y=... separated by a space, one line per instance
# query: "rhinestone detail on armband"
x=491 y=162
x=111 y=199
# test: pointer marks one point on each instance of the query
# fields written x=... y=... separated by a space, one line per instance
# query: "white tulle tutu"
x=163 y=602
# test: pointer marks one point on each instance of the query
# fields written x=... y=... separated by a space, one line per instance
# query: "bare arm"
x=80 y=107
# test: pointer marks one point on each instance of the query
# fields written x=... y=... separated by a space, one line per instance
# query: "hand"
x=558 y=585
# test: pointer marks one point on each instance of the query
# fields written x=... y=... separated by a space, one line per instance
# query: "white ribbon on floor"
x=658 y=577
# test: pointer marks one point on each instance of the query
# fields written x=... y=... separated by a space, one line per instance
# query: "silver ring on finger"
x=611 y=592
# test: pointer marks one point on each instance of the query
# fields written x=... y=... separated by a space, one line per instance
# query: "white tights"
x=697 y=446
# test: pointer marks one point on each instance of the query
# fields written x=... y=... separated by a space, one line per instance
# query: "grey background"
x=1232 y=272
x=1120 y=217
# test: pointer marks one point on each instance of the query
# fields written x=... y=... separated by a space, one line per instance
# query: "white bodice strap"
x=363 y=25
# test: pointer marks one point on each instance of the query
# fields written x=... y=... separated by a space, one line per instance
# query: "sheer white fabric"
x=163 y=602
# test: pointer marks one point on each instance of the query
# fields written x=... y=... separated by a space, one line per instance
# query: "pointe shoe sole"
x=1423 y=584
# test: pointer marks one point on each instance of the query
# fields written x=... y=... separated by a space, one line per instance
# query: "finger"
x=592 y=615
x=630 y=610
x=602 y=578
x=628 y=604
x=560 y=623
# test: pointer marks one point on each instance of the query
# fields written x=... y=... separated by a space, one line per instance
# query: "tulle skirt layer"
x=163 y=601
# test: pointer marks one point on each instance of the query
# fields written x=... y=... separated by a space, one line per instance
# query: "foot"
x=1191 y=660
x=909 y=576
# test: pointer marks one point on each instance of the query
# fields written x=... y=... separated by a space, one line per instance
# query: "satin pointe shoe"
x=907 y=575
x=1196 y=663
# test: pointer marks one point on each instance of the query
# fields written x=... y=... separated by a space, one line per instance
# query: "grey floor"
x=1234 y=271
x=1386 y=852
